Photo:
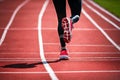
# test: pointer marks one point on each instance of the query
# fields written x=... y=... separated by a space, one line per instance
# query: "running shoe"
x=67 y=27
x=64 y=55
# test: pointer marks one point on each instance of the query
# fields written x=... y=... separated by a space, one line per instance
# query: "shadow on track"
x=26 y=65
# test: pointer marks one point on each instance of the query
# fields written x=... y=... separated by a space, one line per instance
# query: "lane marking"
x=11 y=20
x=21 y=28
x=83 y=53
x=102 y=9
x=1 y=0
x=46 y=65
x=102 y=16
x=11 y=53
x=91 y=45
x=79 y=29
x=61 y=72
x=93 y=58
x=101 y=30
x=51 y=58
x=75 y=29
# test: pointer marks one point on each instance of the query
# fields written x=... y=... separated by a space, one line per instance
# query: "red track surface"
x=92 y=55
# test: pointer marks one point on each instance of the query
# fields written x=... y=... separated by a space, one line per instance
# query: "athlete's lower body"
x=65 y=24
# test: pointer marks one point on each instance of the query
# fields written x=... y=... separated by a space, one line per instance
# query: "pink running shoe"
x=67 y=27
x=64 y=55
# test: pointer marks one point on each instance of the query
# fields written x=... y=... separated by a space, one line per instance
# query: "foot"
x=64 y=55
x=67 y=27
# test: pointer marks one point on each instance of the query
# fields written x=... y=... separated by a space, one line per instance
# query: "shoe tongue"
x=63 y=51
x=63 y=48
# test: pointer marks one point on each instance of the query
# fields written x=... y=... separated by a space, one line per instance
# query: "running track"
x=29 y=44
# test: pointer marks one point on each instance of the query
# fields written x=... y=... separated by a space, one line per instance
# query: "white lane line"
x=79 y=29
x=21 y=28
x=102 y=9
x=46 y=65
x=52 y=58
x=102 y=16
x=11 y=53
x=93 y=58
x=84 y=53
x=61 y=72
x=11 y=20
x=1 y=0
x=75 y=29
x=101 y=30
x=91 y=45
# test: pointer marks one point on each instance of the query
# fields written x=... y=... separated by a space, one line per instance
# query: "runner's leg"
x=75 y=6
x=60 y=7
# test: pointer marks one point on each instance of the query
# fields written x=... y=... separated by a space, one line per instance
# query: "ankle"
x=63 y=48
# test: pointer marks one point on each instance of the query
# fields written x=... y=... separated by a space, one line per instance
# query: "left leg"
x=75 y=6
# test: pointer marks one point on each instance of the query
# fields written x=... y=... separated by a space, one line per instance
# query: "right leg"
x=60 y=7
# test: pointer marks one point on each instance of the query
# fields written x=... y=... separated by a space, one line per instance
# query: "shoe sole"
x=67 y=30
x=64 y=57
